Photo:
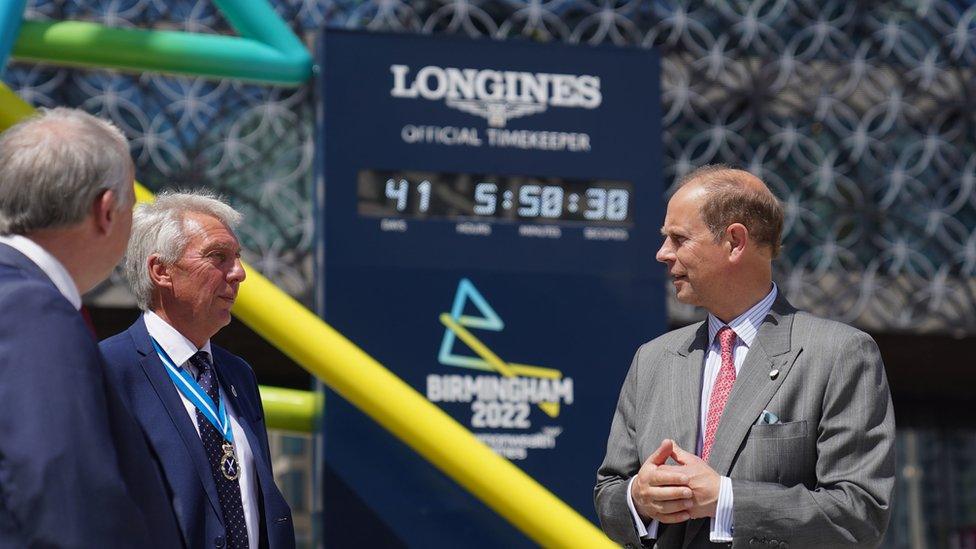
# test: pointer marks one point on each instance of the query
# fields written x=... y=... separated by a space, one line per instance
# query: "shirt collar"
x=47 y=263
x=746 y=325
x=175 y=344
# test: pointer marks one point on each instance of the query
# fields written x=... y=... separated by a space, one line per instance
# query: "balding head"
x=736 y=196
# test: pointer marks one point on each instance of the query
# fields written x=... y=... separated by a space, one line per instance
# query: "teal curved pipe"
x=267 y=51
x=256 y=19
x=11 y=14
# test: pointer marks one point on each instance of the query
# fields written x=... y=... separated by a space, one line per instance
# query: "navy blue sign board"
x=488 y=215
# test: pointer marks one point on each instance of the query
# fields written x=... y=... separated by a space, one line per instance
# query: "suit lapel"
x=167 y=393
x=754 y=386
x=245 y=411
x=686 y=382
x=262 y=468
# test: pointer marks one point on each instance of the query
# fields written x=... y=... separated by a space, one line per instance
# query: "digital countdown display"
x=438 y=195
x=486 y=218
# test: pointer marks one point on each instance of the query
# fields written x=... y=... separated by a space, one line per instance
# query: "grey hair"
x=162 y=228
x=55 y=164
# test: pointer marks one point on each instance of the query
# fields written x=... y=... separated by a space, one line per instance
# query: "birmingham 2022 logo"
x=504 y=395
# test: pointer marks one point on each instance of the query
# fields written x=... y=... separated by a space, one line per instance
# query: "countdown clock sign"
x=493 y=198
x=487 y=218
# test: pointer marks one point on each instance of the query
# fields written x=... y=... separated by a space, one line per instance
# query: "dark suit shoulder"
x=44 y=323
x=26 y=294
x=229 y=360
x=227 y=357
x=235 y=368
x=121 y=362
x=118 y=342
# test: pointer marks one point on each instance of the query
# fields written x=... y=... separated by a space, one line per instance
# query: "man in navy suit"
x=197 y=403
x=75 y=469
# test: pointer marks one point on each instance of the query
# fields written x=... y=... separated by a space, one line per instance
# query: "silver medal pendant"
x=228 y=463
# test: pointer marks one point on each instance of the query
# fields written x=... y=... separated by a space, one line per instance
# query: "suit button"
x=219 y=542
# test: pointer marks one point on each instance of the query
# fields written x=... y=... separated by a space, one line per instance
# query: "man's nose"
x=237 y=273
x=665 y=253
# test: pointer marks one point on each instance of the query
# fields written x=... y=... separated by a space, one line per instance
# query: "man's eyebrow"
x=220 y=246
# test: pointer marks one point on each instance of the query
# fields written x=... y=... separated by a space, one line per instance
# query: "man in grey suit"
x=762 y=426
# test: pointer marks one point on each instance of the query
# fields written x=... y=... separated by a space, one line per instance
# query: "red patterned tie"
x=721 y=389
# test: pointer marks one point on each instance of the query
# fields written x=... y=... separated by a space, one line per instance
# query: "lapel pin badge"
x=233 y=391
x=772 y=374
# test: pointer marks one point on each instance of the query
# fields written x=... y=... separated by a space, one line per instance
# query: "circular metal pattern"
x=860 y=116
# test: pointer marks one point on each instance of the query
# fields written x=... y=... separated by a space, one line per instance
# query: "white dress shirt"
x=180 y=350
x=745 y=326
x=48 y=263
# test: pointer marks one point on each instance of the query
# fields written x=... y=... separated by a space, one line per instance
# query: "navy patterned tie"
x=228 y=491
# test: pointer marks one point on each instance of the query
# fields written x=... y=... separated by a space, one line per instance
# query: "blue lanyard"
x=216 y=415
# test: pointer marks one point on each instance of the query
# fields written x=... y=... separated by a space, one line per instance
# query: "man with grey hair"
x=197 y=403
x=763 y=425
x=75 y=470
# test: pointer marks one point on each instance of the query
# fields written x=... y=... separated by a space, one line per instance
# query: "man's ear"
x=104 y=210
x=737 y=237
x=159 y=272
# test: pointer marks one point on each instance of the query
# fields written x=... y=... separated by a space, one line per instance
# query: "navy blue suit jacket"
x=138 y=374
x=75 y=469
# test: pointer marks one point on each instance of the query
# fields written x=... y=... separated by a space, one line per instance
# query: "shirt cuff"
x=643 y=530
x=722 y=527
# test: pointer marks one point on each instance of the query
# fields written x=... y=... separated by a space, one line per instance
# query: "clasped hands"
x=675 y=493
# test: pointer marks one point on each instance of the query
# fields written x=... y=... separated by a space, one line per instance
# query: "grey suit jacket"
x=823 y=476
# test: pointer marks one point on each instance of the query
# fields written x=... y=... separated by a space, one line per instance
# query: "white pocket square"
x=767 y=418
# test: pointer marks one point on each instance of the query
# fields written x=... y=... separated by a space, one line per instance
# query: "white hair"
x=162 y=228
x=55 y=164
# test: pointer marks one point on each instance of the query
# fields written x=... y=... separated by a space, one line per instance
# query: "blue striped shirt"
x=745 y=326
